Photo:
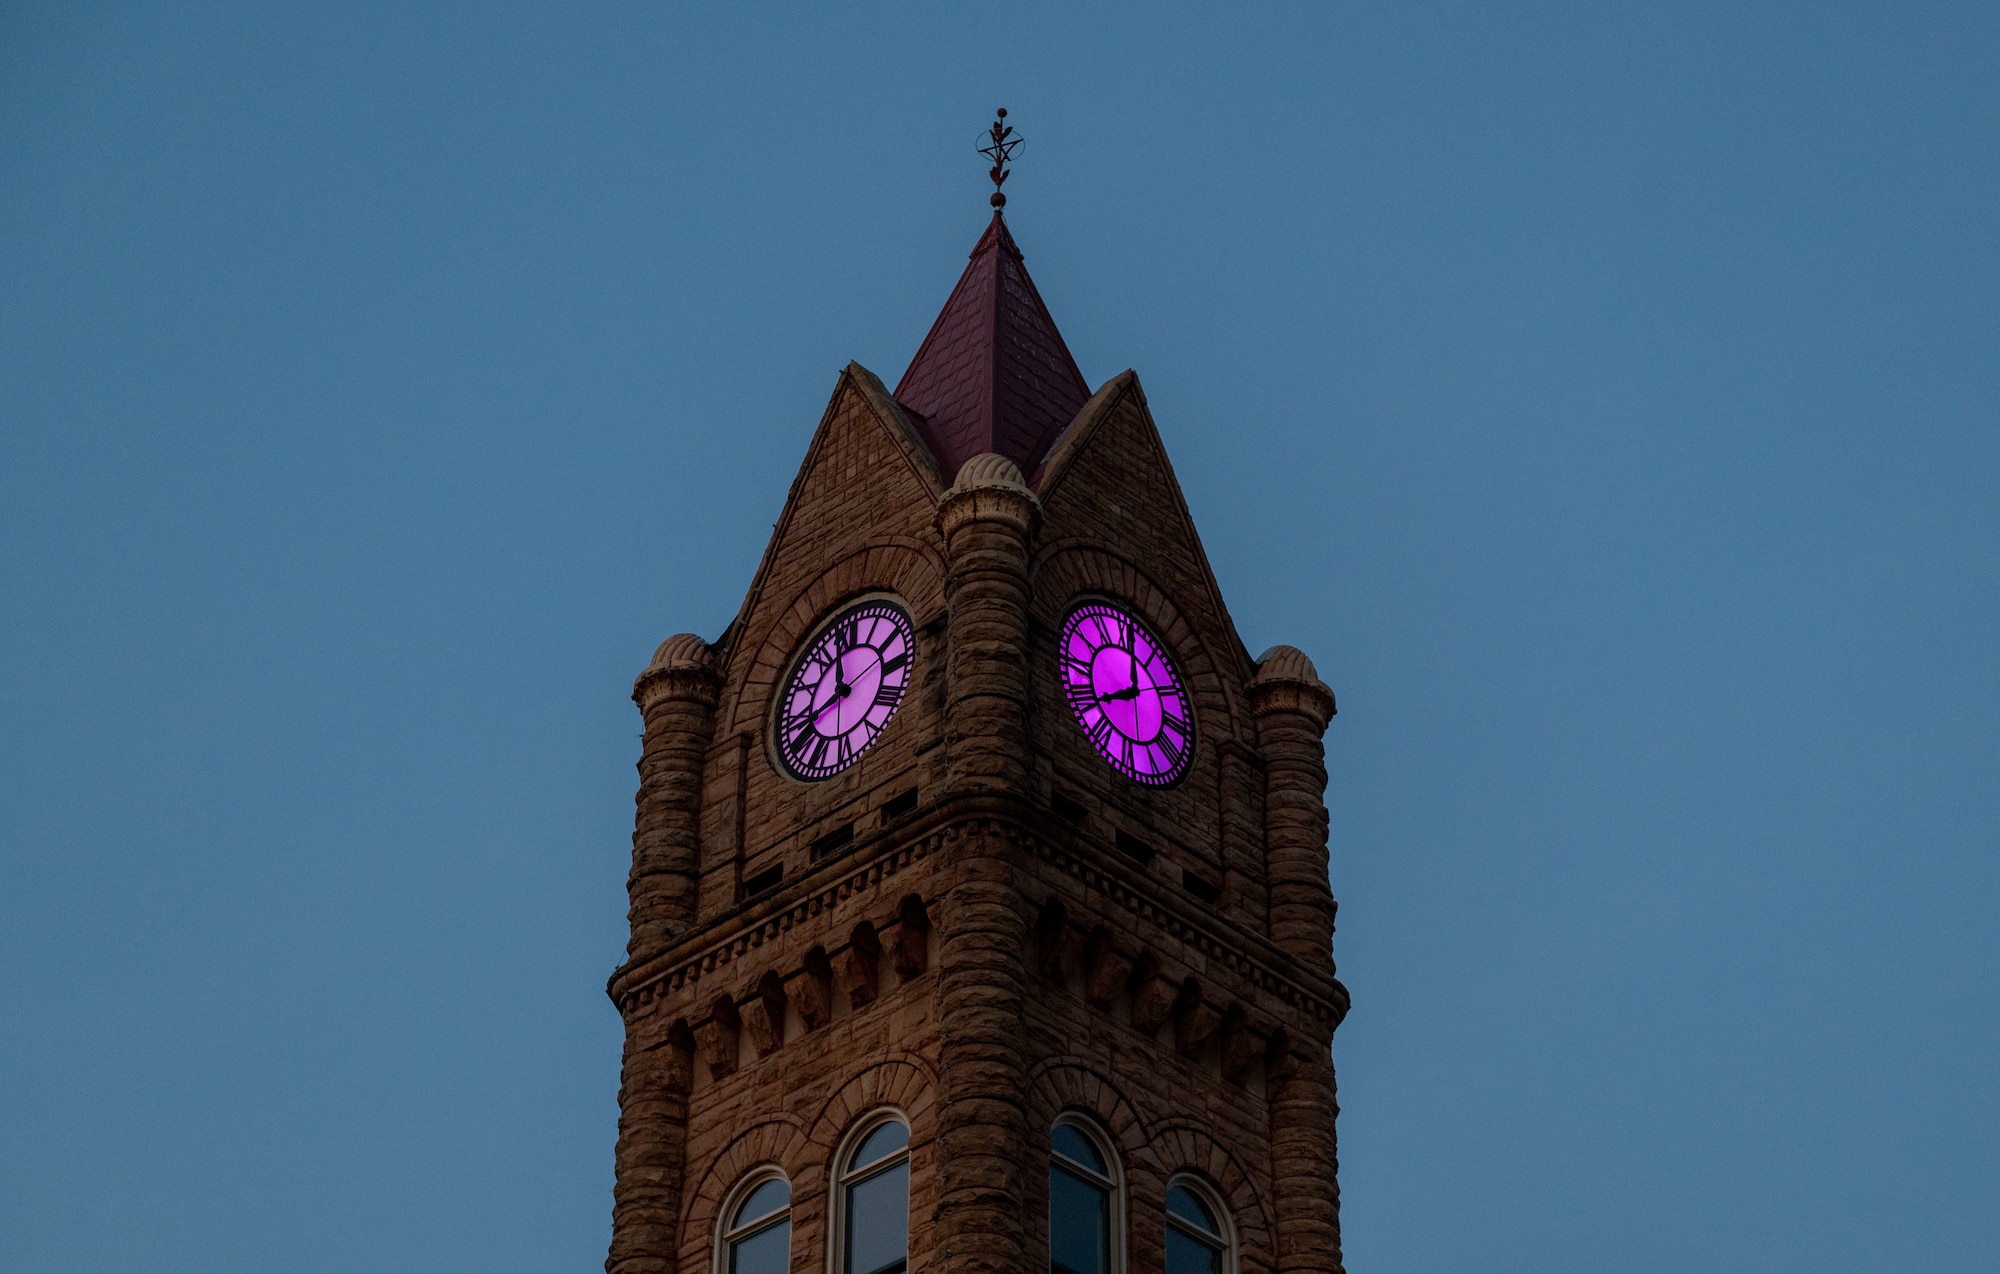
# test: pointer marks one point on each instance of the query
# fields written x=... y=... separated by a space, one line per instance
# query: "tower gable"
x=860 y=519
x=1115 y=524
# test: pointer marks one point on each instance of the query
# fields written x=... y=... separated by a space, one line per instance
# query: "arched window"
x=1197 y=1230
x=757 y=1239
x=1085 y=1212
x=872 y=1219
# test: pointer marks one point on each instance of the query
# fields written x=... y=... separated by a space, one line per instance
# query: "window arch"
x=756 y=1237
x=871 y=1190
x=1086 y=1200
x=1199 y=1237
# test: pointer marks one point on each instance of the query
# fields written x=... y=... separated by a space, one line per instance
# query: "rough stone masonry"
x=979 y=923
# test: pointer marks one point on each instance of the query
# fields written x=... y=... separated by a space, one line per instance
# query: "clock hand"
x=840 y=691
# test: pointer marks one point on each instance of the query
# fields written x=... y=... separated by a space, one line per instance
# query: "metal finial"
x=1001 y=143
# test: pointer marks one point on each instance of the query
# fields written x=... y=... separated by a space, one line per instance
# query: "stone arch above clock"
x=902 y=566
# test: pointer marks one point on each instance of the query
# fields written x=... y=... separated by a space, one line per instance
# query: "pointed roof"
x=994 y=374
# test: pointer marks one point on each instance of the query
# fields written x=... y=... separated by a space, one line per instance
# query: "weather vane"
x=1001 y=143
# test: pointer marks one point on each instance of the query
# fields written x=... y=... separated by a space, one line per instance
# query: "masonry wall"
x=1115 y=524
x=1140 y=1011
x=1153 y=998
x=860 y=520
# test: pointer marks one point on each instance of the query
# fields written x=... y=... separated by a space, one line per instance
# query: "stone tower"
x=979 y=901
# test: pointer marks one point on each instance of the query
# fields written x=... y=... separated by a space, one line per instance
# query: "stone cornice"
x=697 y=684
x=728 y=938
x=1250 y=957
x=1014 y=506
x=1309 y=699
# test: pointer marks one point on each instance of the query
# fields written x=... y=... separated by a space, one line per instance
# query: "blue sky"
x=1603 y=395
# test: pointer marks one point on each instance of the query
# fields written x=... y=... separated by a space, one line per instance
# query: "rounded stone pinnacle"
x=989 y=469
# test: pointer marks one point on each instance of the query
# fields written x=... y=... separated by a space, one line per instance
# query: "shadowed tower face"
x=979 y=903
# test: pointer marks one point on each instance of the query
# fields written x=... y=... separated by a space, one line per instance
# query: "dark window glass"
x=1187 y=1205
x=1071 y=1144
x=1079 y=1218
x=878 y=1144
x=763 y=1201
x=768 y=1251
x=1187 y=1254
x=1195 y=1243
x=875 y=1202
x=878 y=1217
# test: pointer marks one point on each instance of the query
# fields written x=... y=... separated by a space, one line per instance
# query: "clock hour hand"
x=1131 y=691
x=840 y=691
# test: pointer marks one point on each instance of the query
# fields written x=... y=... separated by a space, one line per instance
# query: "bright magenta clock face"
x=844 y=689
x=1126 y=694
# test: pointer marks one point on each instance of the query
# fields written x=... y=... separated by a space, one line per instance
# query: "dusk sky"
x=1607 y=398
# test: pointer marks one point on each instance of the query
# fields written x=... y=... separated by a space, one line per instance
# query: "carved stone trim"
x=1215 y=949
x=742 y=942
x=739 y=944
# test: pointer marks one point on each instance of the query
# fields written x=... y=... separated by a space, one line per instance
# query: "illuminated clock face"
x=844 y=689
x=1126 y=694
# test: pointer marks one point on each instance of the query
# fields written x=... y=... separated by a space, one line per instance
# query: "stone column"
x=987 y=519
x=1305 y=1161
x=652 y=1152
x=1293 y=706
x=677 y=696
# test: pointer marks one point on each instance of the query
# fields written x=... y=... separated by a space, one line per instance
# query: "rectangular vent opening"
x=1200 y=888
x=839 y=838
x=1066 y=809
x=1134 y=848
x=897 y=806
x=764 y=881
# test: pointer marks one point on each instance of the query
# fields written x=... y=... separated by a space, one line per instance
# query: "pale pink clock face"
x=844 y=689
x=1126 y=694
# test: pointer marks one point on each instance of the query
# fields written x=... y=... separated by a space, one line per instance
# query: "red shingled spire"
x=994 y=374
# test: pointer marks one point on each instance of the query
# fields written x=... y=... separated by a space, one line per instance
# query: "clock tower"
x=980 y=920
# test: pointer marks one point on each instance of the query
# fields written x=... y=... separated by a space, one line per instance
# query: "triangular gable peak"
x=862 y=431
x=994 y=373
x=1113 y=451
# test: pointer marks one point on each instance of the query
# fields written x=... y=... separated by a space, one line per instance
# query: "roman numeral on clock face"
x=1101 y=733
